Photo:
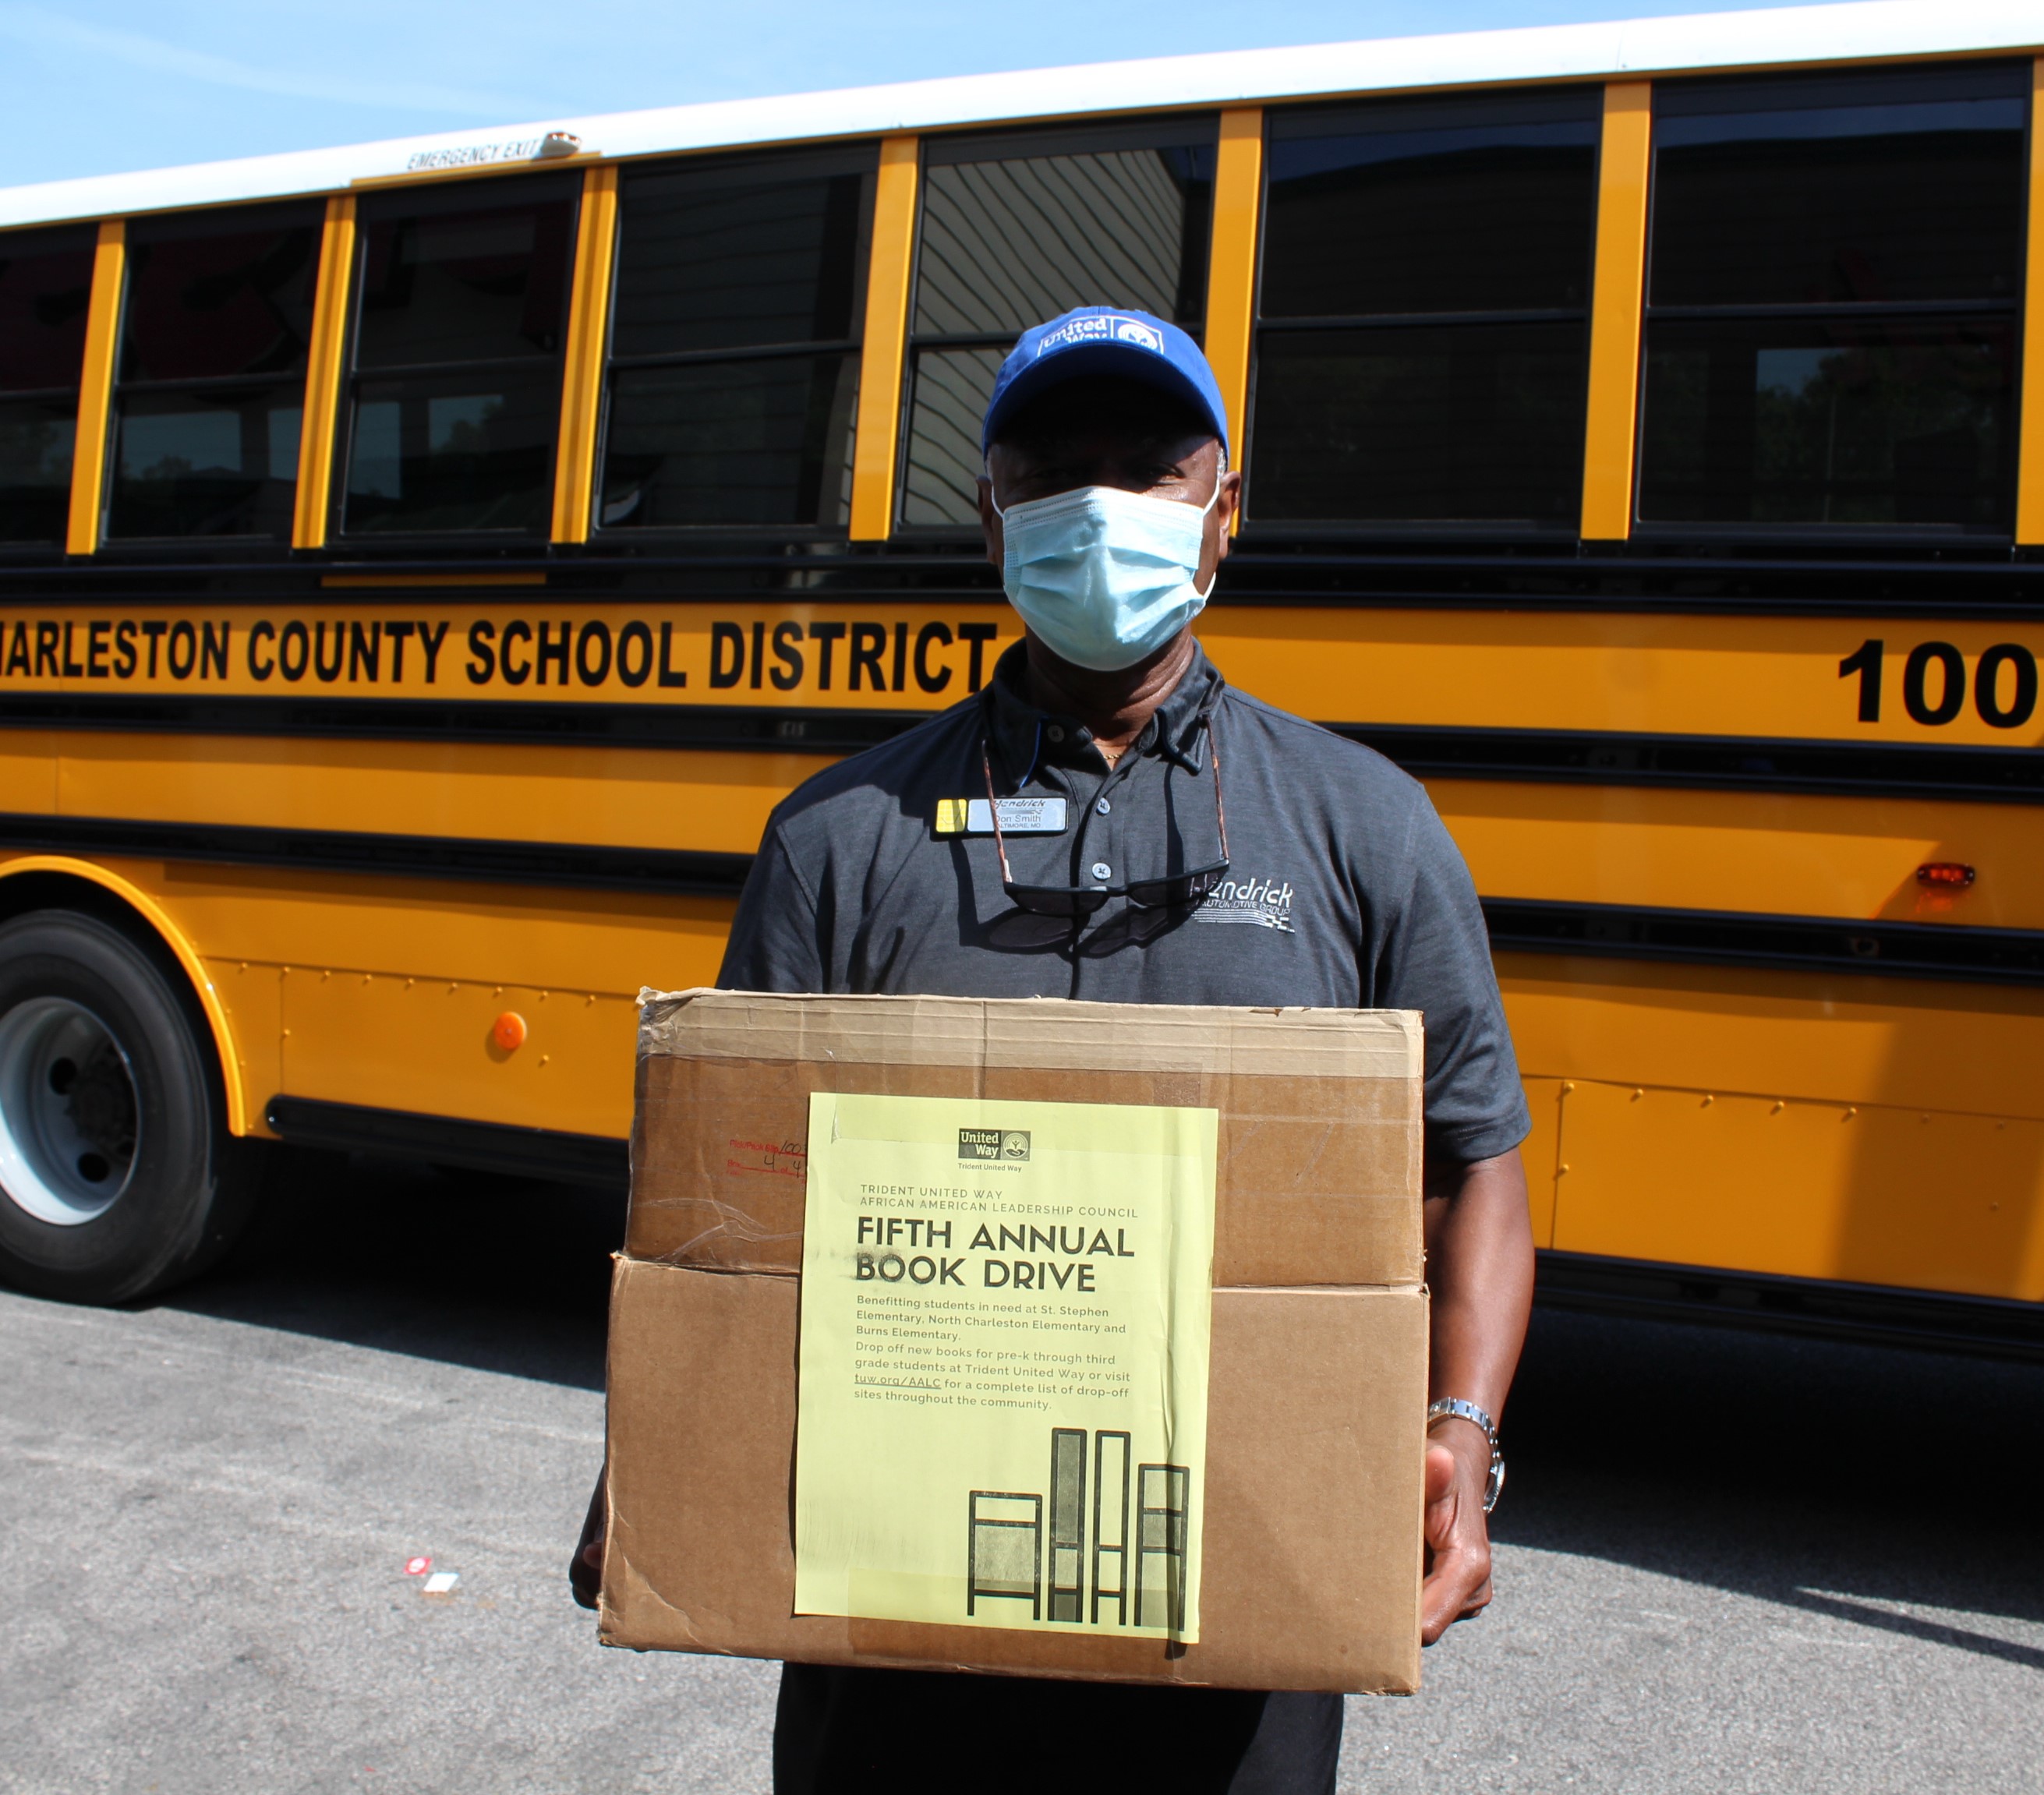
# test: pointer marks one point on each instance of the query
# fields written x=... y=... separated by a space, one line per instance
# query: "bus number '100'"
x=1934 y=685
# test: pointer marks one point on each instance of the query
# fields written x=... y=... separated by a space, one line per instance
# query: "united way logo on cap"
x=1100 y=328
x=1131 y=344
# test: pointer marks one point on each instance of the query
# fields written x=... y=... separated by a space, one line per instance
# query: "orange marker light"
x=1945 y=872
x=508 y=1031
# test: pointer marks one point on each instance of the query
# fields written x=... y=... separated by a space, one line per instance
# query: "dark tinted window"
x=452 y=451
x=1486 y=206
x=233 y=299
x=209 y=462
x=758 y=442
x=1019 y=228
x=1422 y=353
x=1015 y=232
x=1862 y=187
x=461 y=309
x=1842 y=421
x=35 y=440
x=210 y=386
x=45 y=289
x=1831 y=332
x=941 y=484
x=479 y=281
x=736 y=322
x=1430 y=424
x=714 y=254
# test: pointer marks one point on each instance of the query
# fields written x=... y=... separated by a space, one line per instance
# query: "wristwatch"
x=1461 y=1410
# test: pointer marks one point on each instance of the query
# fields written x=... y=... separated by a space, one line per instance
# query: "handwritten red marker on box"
x=417 y=1566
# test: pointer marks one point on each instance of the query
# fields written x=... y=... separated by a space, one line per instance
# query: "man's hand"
x=586 y=1568
x=1479 y=1264
x=1458 y=1585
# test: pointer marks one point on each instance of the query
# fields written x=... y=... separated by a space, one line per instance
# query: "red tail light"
x=1944 y=872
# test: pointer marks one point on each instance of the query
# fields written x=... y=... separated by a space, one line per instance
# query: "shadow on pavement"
x=502 y=1274
x=1843 y=1480
x=1851 y=1482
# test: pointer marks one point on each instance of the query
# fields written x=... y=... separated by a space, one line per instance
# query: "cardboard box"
x=1317 y=1392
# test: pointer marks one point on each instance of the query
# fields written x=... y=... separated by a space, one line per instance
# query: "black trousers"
x=918 y=1732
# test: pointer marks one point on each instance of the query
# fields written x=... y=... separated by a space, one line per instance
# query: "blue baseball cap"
x=1098 y=342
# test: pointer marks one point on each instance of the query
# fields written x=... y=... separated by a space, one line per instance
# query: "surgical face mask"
x=1104 y=576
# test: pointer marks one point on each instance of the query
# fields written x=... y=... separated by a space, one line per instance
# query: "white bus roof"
x=1864 y=31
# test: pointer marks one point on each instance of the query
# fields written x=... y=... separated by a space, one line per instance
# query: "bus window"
x=210 y=384
x=735 y=339
x=1831 y=302
x=1423 y=337
x=455 y=387
x=45 y=287
x=1018 y=228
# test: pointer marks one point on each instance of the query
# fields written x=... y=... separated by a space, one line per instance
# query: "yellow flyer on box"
x=1006 y=1309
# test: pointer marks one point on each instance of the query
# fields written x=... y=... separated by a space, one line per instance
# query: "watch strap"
x=1456 y=1408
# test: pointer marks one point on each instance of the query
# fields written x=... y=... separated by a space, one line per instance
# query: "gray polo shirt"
x=1342 y=890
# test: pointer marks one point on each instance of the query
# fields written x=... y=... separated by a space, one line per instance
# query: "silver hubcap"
x=67 y=1112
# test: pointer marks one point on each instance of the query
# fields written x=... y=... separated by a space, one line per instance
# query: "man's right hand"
x=1458 y=1582
x=586 y=1568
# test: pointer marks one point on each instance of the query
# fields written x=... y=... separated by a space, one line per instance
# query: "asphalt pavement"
x=1728 y=1561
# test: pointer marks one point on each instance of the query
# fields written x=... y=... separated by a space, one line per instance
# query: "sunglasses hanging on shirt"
x=1072 y=902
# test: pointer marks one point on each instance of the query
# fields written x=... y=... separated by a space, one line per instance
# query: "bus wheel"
x=117 y=1176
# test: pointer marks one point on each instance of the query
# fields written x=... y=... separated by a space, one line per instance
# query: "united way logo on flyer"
x=982 y=1144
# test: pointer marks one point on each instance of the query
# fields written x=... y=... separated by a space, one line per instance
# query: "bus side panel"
x=1540 y=1153
x=384 y=991
x=1871 y=1194
x=1661 y=671
x=1784 y=853
x=695 y=799
x=1838 y=1038
x=27 y=772
x=253 y=997
x=1790 y=854
x=398 y=1042
x=1879 y=1131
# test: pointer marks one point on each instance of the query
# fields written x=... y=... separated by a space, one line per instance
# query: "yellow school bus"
x=423 y=566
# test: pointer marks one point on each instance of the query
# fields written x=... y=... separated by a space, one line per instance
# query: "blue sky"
x=97 y=86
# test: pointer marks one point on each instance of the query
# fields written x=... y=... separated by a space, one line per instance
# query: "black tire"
x=117 y=1175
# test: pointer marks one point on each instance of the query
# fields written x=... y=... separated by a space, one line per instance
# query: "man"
x=1201 y=848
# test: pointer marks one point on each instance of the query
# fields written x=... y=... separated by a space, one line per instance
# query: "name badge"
x=1019 y=816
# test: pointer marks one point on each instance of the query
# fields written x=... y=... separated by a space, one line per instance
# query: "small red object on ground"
x=417 y=1566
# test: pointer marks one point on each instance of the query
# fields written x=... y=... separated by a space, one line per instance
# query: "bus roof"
x=1866 y=30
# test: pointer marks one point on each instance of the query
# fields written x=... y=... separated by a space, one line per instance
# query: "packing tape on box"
x=706 y=1023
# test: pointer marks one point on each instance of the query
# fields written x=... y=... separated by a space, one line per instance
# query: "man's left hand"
x=1458 y=1535
x=586 y=1568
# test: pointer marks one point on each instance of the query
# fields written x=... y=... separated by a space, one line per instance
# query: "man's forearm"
x=1480 y=1269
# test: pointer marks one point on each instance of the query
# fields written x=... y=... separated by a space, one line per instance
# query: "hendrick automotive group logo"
x=993 y=1143
x=1267 y=903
